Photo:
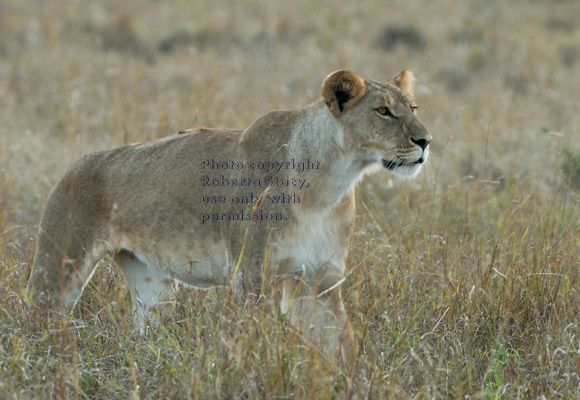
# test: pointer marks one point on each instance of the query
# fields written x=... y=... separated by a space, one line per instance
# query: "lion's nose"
x=422 y=143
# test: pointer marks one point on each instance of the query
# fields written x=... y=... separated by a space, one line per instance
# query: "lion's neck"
x=318 y=136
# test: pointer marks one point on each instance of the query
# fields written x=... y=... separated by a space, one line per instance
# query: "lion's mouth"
x=391 y=165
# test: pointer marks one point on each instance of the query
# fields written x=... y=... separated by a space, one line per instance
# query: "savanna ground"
x=461 y=284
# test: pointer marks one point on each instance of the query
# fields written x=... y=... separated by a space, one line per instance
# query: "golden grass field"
x=461 y=284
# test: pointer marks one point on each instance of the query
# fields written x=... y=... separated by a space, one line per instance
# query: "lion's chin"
x=400 y=168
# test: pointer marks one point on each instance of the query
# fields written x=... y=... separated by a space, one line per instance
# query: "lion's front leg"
x=317 y=311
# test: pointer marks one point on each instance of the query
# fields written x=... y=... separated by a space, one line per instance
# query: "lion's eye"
x=414 y=108
x=385 y=111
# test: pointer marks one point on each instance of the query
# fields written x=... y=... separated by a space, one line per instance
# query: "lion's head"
x=379 y=120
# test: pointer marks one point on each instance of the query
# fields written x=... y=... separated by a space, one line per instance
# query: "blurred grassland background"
x=461 y=284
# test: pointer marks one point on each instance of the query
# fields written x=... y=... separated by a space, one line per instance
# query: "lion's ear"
x=341 y=90
x=406 y=82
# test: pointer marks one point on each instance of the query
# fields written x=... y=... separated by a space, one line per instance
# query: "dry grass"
x=463 y=284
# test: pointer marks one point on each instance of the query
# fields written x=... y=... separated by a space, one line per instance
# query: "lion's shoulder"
x=275 y=126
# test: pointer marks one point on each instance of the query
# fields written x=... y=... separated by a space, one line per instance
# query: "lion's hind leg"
x=152 y=289
x=59 y=276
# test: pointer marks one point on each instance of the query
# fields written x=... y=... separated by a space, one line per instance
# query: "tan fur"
x=142 y=204
x=406 y=81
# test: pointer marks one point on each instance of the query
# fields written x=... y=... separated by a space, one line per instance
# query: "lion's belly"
x=204 y=269
x=201 y=265
x=316 y=241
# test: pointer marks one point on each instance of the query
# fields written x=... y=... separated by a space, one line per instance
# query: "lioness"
x=220 y=207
